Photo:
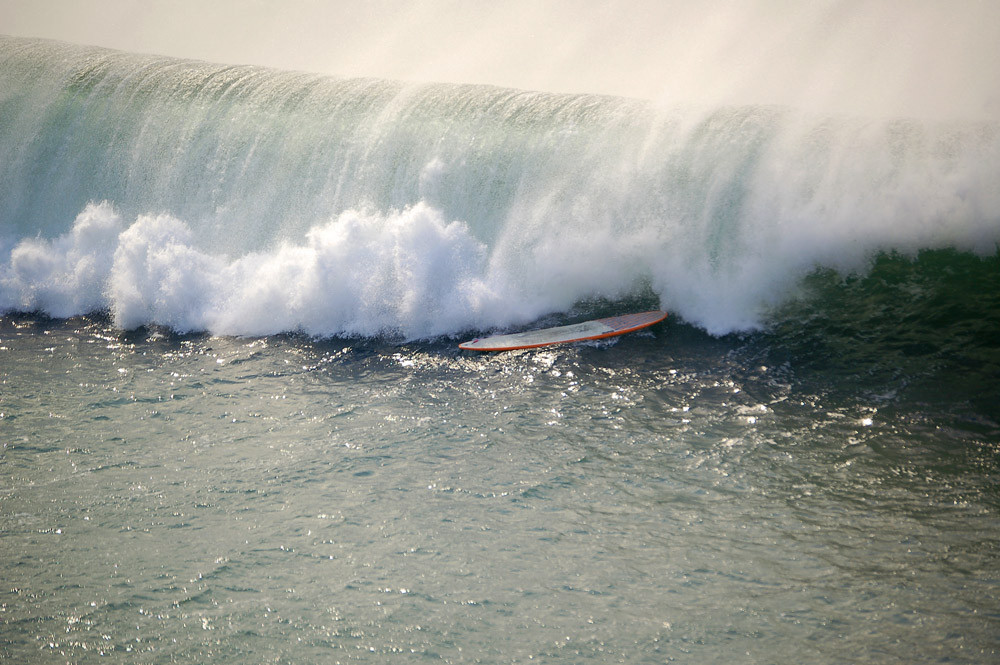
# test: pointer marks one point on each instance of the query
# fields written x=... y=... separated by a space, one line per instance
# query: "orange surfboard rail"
x=577 y=332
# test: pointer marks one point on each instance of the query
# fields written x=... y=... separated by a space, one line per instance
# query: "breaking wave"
x=247 y=201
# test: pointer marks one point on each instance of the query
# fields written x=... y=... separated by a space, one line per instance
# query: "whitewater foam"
x=408 y=273
x=66 y=275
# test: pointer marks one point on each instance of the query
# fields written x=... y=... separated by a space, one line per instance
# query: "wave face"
x=241 y=200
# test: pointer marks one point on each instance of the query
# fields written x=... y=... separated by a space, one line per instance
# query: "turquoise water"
x=236 y=425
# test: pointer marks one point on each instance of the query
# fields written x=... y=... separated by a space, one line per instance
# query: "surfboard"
x=577 y=332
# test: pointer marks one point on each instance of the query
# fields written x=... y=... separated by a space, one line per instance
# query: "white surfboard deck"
x=578 y=332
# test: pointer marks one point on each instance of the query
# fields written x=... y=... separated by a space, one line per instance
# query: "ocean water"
x=236 y=425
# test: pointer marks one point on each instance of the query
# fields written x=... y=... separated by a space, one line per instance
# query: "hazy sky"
x=917 y=56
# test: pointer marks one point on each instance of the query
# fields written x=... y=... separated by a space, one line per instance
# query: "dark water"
x=236 y=426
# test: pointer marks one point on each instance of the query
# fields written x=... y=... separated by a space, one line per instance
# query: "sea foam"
x=408 y=273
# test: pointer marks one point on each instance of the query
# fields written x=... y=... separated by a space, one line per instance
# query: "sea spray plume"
x=889 y=58
x=794 y=192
